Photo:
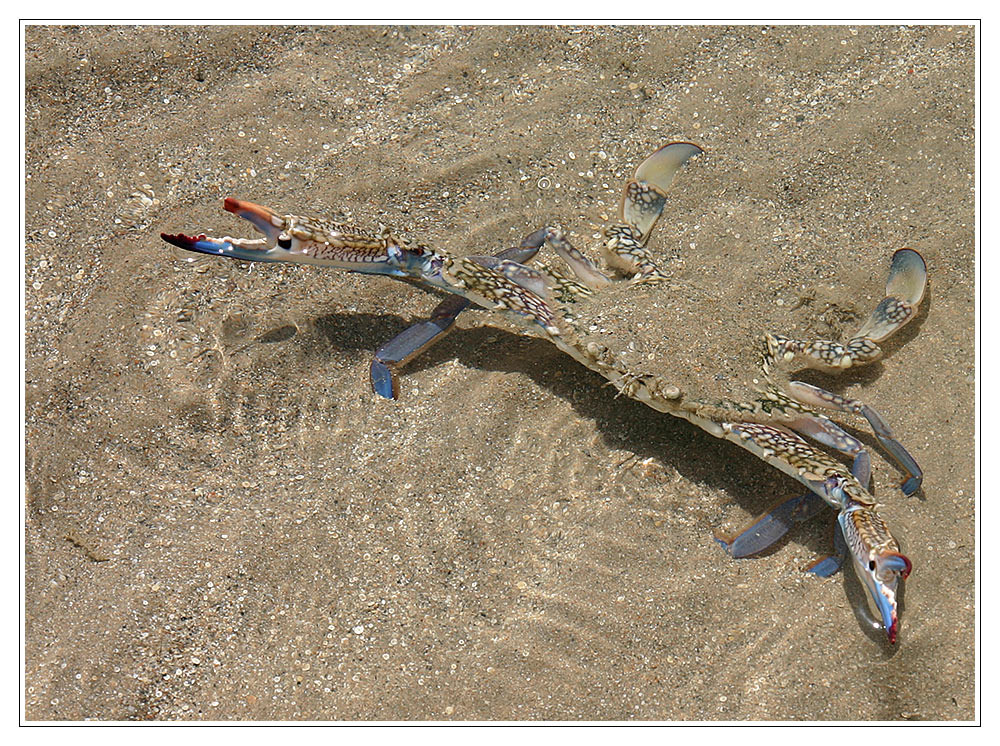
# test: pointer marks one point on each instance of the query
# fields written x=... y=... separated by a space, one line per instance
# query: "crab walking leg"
x=768 y=528
x=412 y=341
x=904 y=291
x=584 y=270
x=416 y=339
x=825 y=567
x=814 y=396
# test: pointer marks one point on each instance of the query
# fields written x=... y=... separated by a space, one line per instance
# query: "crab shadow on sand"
x=625 y=424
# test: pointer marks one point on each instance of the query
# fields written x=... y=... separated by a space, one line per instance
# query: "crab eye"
x=871 y=563
x=285 y=241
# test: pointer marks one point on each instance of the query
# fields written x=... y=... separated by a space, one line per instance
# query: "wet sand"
x=223 y=522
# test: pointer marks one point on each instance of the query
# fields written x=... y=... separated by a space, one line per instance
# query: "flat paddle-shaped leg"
x=770 y=527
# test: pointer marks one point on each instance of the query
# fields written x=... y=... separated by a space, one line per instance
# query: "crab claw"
x=877 y=560
x=882 y=568
x=254 y=250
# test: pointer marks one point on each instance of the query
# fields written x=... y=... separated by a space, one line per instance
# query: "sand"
x=223 y=522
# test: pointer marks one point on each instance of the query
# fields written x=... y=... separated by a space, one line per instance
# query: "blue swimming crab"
x=615 y=328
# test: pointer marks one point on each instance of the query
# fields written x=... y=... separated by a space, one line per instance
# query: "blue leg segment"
x=411 y=342
x=404 y=347
x=817 y=397
x=829 y=565
x=772 y=526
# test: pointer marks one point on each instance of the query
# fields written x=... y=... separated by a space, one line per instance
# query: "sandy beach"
x=223 y=522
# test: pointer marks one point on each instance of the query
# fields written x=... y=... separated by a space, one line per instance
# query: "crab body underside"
x=616 y=328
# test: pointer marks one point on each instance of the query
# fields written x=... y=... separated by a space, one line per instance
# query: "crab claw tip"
x=262 y=218
x=900 y=563
x=892 y=631
x=230 y=204
x=180 y=240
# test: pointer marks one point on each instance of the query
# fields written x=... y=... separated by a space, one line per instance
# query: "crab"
x=614 y=327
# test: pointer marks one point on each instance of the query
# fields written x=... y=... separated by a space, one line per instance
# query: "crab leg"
x=475 y=279
x=814 y=396
x=641 y=206
x=416 y=339
x=768 y=528
x=825 y=567
x=402 y=348
x=771 y=526
x=875 y=553
x=585 y=271
x=306 y=240
x=904 y=291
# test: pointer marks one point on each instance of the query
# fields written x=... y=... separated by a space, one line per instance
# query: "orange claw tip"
x=234 y=205
x=241 y=207
x=264 y=220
